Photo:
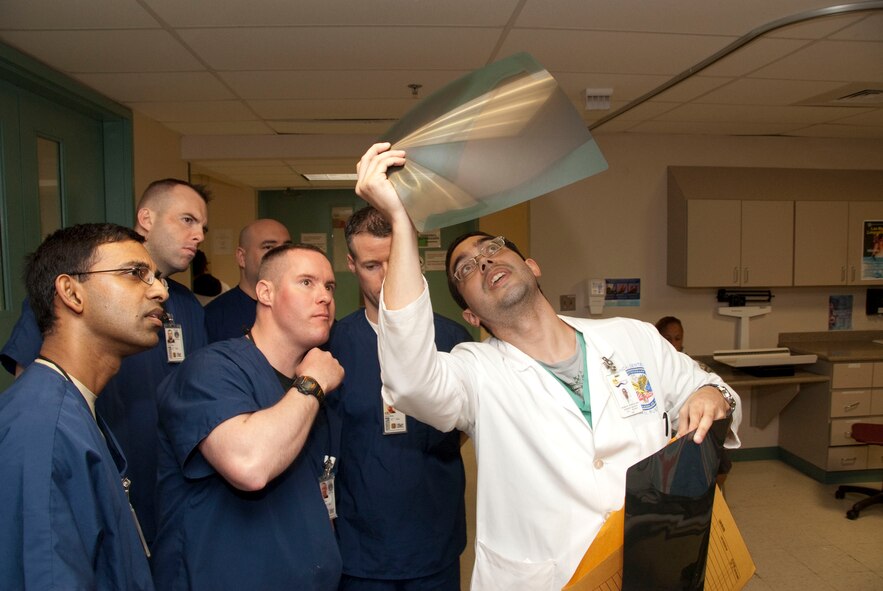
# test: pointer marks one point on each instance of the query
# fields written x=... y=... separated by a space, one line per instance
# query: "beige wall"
x=614 y=225
x=232 y=206
x=157 y=153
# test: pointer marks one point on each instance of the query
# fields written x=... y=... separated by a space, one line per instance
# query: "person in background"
x=171 y=216
x=206 y=286
x=97 y=297
x=673 y=331
x=541 y=398
x=232 y=313
x=400 y=514
x=241 y=507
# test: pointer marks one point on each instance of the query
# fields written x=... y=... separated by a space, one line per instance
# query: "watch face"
x=309 y=384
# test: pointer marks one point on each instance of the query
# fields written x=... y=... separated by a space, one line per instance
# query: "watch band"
x=731 y=400
x=310 y=387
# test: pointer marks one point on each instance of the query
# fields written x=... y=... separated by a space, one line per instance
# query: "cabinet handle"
x=848 y=461
x=745 y=277
x=842 y=274
x=850 y=406
x=736 y=275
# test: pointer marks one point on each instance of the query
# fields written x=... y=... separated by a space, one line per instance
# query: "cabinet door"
x=713 y=242
x=767 y=243
x=865 y=262
x=820 y=229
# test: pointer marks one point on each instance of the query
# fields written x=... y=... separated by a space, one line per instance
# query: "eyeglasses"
x=487 y=249
x=142 y=273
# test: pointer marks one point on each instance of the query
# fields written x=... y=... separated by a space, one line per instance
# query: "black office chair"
x=871 y=434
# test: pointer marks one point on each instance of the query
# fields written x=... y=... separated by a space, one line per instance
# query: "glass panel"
x=48 y=160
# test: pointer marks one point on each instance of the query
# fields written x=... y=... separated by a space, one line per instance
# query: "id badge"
x=174 y=342
x=326 y=487
x=623 y=392
x=394 y=421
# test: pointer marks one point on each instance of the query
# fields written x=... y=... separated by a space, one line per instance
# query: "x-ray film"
x=668 y=505
x=489 y=140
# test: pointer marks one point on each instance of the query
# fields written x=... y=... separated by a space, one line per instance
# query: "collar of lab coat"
x=596 y=348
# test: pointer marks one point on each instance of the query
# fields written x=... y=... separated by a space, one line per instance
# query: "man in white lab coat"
x=558 y=407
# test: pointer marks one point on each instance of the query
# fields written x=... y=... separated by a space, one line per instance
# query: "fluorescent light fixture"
x=334 y=176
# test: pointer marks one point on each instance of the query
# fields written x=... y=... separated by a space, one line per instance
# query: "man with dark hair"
x=97 y=297
x=241 y=505
x=542 y=399
x=672 y=331
x=400 y=512
x=232 y=313
x=171 y=216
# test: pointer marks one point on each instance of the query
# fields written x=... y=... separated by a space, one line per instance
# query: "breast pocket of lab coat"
x=495 y=572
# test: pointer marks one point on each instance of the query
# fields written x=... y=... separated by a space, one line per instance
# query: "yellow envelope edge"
x=729 y=566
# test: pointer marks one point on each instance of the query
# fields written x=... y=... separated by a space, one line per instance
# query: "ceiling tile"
x=105 y=51
x=621 y=53
x=312 y=84
x=755 y=55
x=767 y=92
x=201 y=13
x=150 y=87
x=219 y=128
x=79 y=14
x=829 y=60
x=196 y=111
x=350 y=48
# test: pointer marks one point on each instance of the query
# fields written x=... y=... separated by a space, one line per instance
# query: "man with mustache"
x=542 y=398
x=172 y=216
x=97 y=298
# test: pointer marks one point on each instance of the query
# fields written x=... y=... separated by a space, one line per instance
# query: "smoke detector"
x=598 y=99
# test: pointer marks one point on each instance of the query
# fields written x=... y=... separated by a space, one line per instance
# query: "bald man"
x=232 y=313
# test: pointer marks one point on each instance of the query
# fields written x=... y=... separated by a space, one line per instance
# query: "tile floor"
x=798 y=533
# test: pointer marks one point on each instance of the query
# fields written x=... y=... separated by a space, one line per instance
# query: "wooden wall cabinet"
x=829 y=241
x=766 y=227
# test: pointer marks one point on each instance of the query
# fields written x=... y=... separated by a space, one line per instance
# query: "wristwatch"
x=309 y=387
x=731 y=400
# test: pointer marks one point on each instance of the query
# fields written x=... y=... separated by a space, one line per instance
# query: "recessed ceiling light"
x=334 y=176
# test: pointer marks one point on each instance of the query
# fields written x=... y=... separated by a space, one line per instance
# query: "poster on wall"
x=840 y=312
x=872 y=250
x=623 y=292
x=317 y=239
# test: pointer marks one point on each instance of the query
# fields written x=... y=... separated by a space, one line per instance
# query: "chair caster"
x=839 y=494
x=852 y=514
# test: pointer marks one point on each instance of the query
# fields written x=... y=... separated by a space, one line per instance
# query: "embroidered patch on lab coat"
x=638 y=376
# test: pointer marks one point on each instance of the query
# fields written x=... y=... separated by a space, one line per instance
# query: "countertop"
x=836 y=347
x=742 y=379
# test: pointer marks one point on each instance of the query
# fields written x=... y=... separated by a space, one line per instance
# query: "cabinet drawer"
x=877 y=401
x=841 y=430
x=852 y=375
x=875 y=457
x=848 y=458
x=851 y=403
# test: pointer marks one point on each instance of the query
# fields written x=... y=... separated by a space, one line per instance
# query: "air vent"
x=857 y=94
x=867 y=96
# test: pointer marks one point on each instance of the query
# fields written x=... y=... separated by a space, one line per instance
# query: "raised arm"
x=404 y=279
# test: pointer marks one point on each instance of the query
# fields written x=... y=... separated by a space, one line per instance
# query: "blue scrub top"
x=229 y=315
x=67 y=523
x=128 y=401
x=401 y=512
x=212 y=535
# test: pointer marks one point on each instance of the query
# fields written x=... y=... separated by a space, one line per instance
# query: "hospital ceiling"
x=262 y=91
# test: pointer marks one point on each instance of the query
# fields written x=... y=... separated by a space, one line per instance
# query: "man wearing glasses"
x=171 y=216
x=68 y=524
x=559 y=408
